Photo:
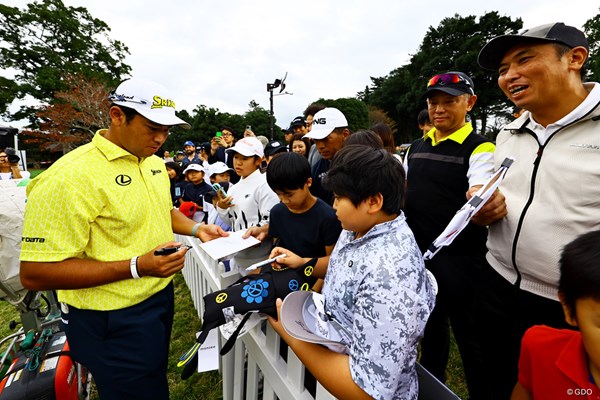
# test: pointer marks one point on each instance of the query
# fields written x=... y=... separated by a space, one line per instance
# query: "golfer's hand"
x=162 y=266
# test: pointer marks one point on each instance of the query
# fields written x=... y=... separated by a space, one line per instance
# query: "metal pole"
x=271 y=122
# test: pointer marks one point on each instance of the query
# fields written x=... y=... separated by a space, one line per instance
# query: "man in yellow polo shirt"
x=92 y=224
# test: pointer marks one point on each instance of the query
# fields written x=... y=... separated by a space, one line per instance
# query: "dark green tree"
x=207 y=121
x=258 y=118
x=47 y=40
x=452 y=46
x=386 y=94
x=592 y=31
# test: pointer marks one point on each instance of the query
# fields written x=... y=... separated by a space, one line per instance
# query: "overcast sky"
x=222 y=54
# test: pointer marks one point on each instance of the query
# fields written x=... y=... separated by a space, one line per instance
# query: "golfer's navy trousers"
x=126 y=350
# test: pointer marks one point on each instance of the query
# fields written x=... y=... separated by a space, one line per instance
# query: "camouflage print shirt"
x=377 y=288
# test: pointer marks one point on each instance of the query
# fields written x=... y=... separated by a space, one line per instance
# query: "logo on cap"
x=159 y=102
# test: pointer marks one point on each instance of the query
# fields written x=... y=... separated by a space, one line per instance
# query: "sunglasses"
x=447 y=79
x=113 y=96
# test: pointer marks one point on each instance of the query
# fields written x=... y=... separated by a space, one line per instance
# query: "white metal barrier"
x=257 y=353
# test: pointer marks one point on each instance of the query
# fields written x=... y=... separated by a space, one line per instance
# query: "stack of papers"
x=226 y=246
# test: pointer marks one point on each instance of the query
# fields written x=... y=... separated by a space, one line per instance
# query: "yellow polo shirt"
x=99 y=202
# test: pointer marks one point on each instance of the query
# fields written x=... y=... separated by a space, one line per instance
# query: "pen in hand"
x=169 y=250
x=265 y=262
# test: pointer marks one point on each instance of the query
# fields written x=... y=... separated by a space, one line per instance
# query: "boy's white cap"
x=150 y=99
x=303 y=317
x=325 y=121
x=193 y=167
x=218 y=168
x=248 y=146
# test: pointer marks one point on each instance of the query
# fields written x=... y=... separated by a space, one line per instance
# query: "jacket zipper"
x=536 y=164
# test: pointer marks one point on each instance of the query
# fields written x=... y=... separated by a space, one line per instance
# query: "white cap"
x=193 y=167
x=218 y=168
x=325 y=121
x=148 y=98
x=248 y=146
x=303 y=317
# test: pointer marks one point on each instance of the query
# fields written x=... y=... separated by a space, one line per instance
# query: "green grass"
x=455 y=377
x=208 y=386
x=205 y=386
x=7 y=314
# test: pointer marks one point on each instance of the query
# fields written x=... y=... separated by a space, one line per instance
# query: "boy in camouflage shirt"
x=375 y=286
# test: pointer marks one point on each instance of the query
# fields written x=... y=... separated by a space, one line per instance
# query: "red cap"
x=188 y=208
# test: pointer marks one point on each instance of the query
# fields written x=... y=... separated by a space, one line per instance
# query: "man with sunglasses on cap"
x=441 y=167
x=93 y=223
x=549 y=196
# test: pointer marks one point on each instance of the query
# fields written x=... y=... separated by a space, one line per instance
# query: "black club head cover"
x=252 y=293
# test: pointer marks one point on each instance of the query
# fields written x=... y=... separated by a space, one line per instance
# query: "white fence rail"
x=256 y=356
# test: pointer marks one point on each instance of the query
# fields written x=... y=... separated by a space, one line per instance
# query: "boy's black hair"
x=288 y=171
x=423 y=117
x=580 y=270
x=358 y=172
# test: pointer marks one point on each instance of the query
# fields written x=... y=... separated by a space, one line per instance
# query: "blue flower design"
x=255 y=291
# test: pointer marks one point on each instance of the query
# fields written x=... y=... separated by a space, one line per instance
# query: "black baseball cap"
x=298 y=121
x=557 y=32
x=275 y=147
x=453 y=82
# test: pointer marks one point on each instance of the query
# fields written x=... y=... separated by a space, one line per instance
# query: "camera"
x=248 y=128
x=12 y=155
